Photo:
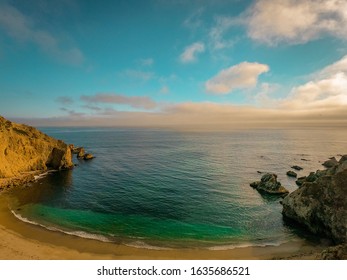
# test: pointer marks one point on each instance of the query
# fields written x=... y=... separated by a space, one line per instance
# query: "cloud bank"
x=139 y=102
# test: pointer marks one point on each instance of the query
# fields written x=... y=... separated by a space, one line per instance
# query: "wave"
x=244 y=245
x=82 y=234
x=42 y=175
x=86 y=235
x=144 y=245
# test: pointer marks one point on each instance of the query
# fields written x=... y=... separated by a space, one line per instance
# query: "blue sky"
x=162 y=63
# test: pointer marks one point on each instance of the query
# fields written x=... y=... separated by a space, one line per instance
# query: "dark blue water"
x=175 y=189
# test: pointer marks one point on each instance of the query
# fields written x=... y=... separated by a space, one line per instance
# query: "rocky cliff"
x=320 y=204
x=25 y=150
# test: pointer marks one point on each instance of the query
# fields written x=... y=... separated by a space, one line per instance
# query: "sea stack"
x=269 y=184
x=24 y=151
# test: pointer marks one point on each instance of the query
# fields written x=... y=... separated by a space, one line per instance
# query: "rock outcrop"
x=291 y=174
x=320 y=204
x=24 y=149
x=88 y=156
x=338 y=252
x=330 y=162
x=296 y=167
x=80 y=152
x=269 y=184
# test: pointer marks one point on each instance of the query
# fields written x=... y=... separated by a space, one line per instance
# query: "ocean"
x=175 y=189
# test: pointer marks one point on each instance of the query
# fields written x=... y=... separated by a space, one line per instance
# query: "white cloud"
x=339 y=66
x=324 y=93
x=190 y=52
x=296 y=22
x=243 y=75
x=22 y=28
x=327 y=89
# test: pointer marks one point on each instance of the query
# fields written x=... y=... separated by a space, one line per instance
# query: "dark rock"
x=255 y=184
x=269 y=184
x=300 y=181
x=343 y=159
x=259 y=172
x=321 y=205
x=292 y=174
x=296 y=167
x=311 y=177
x=88 y=156
x=334 y=253
x=330 y=163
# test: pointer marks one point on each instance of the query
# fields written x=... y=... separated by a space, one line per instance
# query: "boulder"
x=269 y=184
x=291 y=174
x=88 y=156
x=300 y=181
x=296 y=167
x=343 y=159
x=312 y=177
x=80 y=152
x=330 y=162
x=320 y=204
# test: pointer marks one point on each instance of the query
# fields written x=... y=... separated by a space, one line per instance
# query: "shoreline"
x=20 y=240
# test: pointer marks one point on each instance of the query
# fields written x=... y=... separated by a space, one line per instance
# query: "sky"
x=157 y=63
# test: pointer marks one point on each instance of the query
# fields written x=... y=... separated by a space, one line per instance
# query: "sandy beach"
x=24 y=241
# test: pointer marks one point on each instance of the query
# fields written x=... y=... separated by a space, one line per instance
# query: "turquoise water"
x=175 y=189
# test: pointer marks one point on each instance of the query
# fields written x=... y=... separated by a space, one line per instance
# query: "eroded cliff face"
x=24 y=149
x=321 y=205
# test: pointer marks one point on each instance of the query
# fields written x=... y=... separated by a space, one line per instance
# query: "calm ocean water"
x=160 y=188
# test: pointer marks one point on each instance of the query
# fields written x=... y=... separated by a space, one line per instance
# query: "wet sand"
x=20 y=240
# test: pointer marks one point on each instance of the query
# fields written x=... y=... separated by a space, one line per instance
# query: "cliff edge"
x=24 y=150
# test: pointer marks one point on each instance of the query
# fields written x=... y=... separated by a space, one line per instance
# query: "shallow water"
x=161 y=188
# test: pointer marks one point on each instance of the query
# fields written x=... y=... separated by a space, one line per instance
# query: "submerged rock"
x=269 y=184
x=320 y=204
x=296 y=167
x=291 y=174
